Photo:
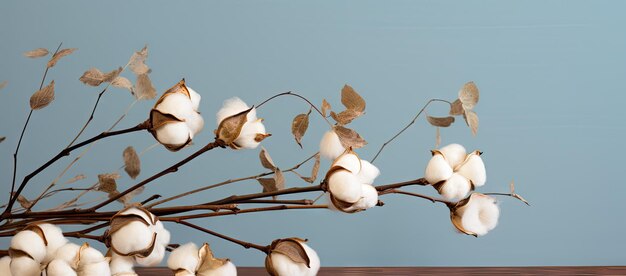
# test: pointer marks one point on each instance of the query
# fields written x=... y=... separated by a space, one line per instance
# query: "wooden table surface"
x=545 y=270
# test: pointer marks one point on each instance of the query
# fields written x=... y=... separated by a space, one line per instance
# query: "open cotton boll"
x=58 y=267
x=54 y=237
x=163 y=236
x=437 y=169
x=90 y=255
x=369 y=199
x=5 y=266
x=455 y=188
x=175 y=134
x=176 y=104
x=134 y=236
x=195 y=98
x=155 y=257
x=330 y=146
x=95 y=269
x=233 y=106
x=227 y=269
x=368 y=172
x=247 y=138
x=349 y=161
x=25 y=266
x=345 y=186
x=480 y=215
x=121 y=265
x=454 y=154
x=284 y=266
x=67 y=252
x=195 y=122
x=474 y=169
x=184 y=257
x=31 y=243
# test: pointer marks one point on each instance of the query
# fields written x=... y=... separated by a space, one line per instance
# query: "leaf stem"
x=301 y=97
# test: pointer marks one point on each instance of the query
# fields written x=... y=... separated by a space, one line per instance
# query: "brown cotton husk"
x=119 y=220
x=179 y=87
x=208 y=261
x=230 y=128
x=457 y=219
x=290 y=247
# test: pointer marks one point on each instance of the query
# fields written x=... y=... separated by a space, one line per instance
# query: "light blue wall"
x=551 y=75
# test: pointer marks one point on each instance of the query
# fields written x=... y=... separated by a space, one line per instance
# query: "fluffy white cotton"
x=233 y=106
x=437 y=169
x=60 y=267
x=176 y=104
x=368 y=172
x=455 y=188
x=185 y=257
x=195 y=122
x=154 y=258
x=248 y=134
x=195 y=98
x=25 y=266
x=5 y=266
x=284 y=266
x=228 y=269
x=95 y=269
x=147 y=216
x=90 y=255
x=369 y=198
x=163 y=235
x=330 y=146
x=345 y=186
x=175 y=134
x=480 y=215
x=67 y=252
x=121 y=266
x=454 y=154
x=349 y=161
x=132 y=237
x=31 y=243
x=55 y=238
x=474 y=169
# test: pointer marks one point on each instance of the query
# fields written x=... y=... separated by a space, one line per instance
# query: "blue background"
x=551 y=76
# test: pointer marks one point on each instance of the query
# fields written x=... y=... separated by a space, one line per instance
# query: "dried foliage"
x=37 y=53
x=349 y=138
x=144 y=88
x=56 y=57
x=299 y=126
x=229 y=128
x=132 y=164
x=266 y=159
x=75 y=179
x=314 y=171
x=440 y=121
x=43 y=97
x=207 y=259
x=325 y=107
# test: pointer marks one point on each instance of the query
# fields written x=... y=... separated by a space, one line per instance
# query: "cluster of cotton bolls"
x=175 y=118
x=291 y=257
x=138 y=237
x=42 y=249
x=253 y=130
x=188 y=260
x=454 y=173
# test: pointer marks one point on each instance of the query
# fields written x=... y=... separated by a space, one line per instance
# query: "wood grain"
x=327 y=271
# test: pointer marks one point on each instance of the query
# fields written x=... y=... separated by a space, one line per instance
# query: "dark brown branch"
x=295 y=190
x=432 y=199
x=251 y=210
x=264 y=249
x=419 y=181
x=277 y=201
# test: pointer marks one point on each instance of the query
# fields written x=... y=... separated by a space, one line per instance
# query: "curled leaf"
x=349 y=138
x=325 y=107
x=92 y=77
x=137 y=62
x=110 y=76
x=122 y=82
x=456 y=108
x=440 y=121
x=346 y=116
x=144 y=90
x=472 y=121
x=351 y=99
x=56 y=57
x=469 y=95
x=230 y=128
x=314 y=171
x=266 y=159
x=299 y=125
x=43 y=97
x=39 y=52
x=132 y=164
x=293 y=250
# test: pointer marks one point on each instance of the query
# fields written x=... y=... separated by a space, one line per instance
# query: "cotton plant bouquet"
x=137 y=235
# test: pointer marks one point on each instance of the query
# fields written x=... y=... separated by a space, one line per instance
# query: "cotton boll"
x=228 y=269
x=59 y=267
x=67 y=252
x=368 y=172
x=349 y=161
x=154 y=258
x=185 y=257
x=455 y=188
x=480 y=215
x=454 y=154
x=233 y=106
x=25 y=266
x=195 y=98
x=132 y=237
x=5 y=266
x=90 y=255
x=31 y=243
x=437 y=169
x=345 y=186
x=121 y=265
x=284 y=266
x=330 y=146
x=176 y=104
x=247 y=136
x=146 y=216
x=474 y=169
x=369 y=199
x=95 y=269
x=163 y=236
x=195 y=122
x=55 y=238
x=175 y=134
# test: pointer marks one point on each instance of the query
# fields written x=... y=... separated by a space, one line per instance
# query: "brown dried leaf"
x=440 y=121
x=39 y=52
x=512 y=186
x=325 y=107
x=314 y=171
x=137 y=62
x=25 y=203
x=75 y=178
x=299 y=125
x=126 y=199
x=438 y=138
x=351 y=99
x=472 y=121
x=43 y=97
x=229 y=128
x=110 y=76
x=144 y=90
x=349 y=138
x=266 y=159
x=107 y=183
x=158 y=119
x=55 y=58
x=469 y=95
x=293 y=250
x=3 y=84
x=456 y=108
x=269 y=184
x=346 y=116
x=132 y=164
x=122 y=82
x=279 y=179
x=208 y=262
x=92 y=77
x=2 y=138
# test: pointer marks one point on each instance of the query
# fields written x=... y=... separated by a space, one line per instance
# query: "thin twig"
x=301 y=97
x=246 y=245
x=513 y=195
x=244 y=211
x=432 y=199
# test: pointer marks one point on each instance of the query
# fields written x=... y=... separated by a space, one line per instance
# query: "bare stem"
x=432 y=199
x=407 y=126
x=301 y=97
x=419 y=181
x=246 y=245
x=244 y=211
x=513 y=195
x=295 y=190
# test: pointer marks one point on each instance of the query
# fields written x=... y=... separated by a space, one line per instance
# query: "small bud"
x=330 y=146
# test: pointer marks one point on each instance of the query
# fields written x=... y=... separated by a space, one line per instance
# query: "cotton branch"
x=246 y=245
x=301 y=97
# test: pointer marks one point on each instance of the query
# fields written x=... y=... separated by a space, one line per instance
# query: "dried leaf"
x=25 y=203
x=266 y=159
x=75 y=178
x=3 y=84
x=314 y=171
x=346 y=116
x=456 y=108
x=39 y=52
x=293 y=250
x=208 y=262
x=43 y=97
x=122 y=82
x=468 y=95
x=299 y=125
x=132 y=164
x=107 y=183
x=144 y=90
x=110 y=76
x=325 y=107
x=229 y=128
x=126 y=199
x=137 y=62
x=440 y=121
x=472 y=121
x=512 y=185
x=438 y=138
x=92 y=77
x=279 y=179
x=349 y=138
x=55 y=58
x=158 y=119
x=351 y=99
x=269 y=184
